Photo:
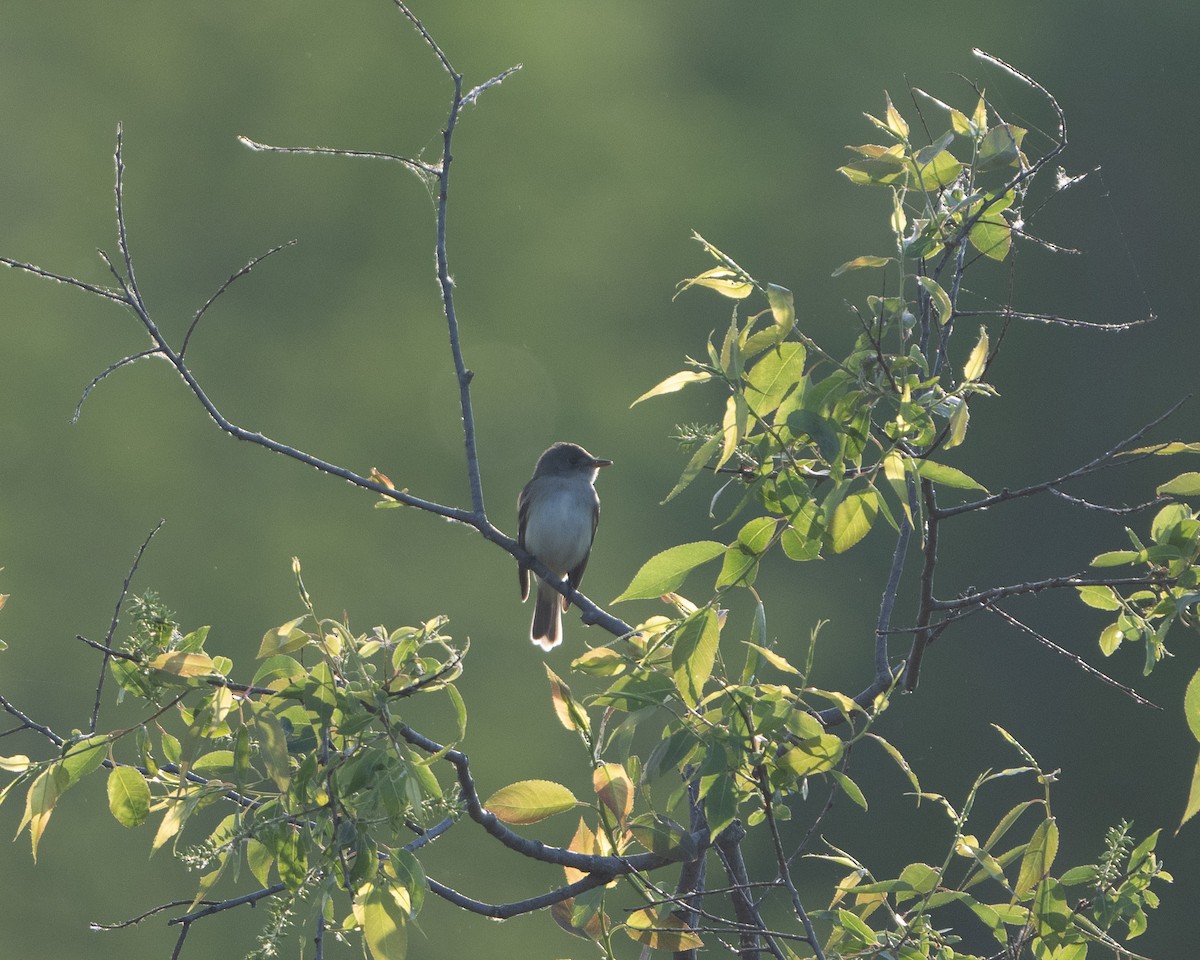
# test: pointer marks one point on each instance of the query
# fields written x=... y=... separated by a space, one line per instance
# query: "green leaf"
x=893 y=121
x=698 y=461
x=783 y=306
x=773 y=658
x=1115 y=558
x=272 y=746
x=43 y=794
x=128 y=796
x=83 y=757
x=529 y=801
x=673 y=383
x=666 y=571
x=1184 y=485
x=817 y=755
x=720 y=805
x=940 y=298
x=858 y=263
x=283 y=639
x=852 y=519
x=724 y=281
x=663 y=836
x=1100 y=597
x=382 y=918
x=1038 y=858
x=694 y=653
x=849 y=788
x=948 y=476
x=1193 y=800
x=777 y=372
x=935 y=169
x=666 y=932
x=1191 y=704
x=180 y=664
x=259 y=860
x=893 y=752
x=991 y=235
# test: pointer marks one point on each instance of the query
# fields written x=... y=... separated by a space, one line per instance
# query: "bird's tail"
x=546 y=631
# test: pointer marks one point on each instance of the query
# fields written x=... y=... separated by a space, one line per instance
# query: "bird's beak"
x=601 y=463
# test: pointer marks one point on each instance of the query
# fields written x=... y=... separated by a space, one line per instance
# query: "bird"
x=558 y=510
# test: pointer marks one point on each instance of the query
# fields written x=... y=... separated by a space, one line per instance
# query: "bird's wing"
x=522 y=518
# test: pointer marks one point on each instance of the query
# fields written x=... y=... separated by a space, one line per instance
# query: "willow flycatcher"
x=558 y=512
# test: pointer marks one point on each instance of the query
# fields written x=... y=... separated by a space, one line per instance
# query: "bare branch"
x=1105 y=459
x=419 y=167
x=475 y=93
x=124 y=361
x=225 y=286
x=1074 y=658
x=1055 y=319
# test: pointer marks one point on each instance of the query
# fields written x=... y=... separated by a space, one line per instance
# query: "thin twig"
x=1105 y=459
x=112 y=627
x=1074 y=658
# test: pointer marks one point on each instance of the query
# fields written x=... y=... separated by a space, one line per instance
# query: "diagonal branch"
x=112 y=627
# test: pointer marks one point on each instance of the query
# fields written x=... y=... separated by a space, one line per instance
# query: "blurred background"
x=576 y=185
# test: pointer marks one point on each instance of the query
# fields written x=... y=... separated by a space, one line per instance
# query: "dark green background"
x=576 y=185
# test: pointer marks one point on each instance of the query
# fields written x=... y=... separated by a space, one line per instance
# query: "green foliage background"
x=576 y=186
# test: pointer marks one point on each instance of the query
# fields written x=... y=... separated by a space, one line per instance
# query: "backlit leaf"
x=529 y=801
x=666 y=571
x=677 y=381
x=128 y=796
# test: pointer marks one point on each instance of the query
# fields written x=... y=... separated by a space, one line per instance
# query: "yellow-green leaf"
x=1038 y=858
x=1191 y=704
x=783 y=306
x=816 y=755
x=666 y=932
x=948 y=476
x=529 y=801
x=128 y=796
x=666 y=571
x=1193 y=801
x=673 y=383
x=283 y=639
x=852 y=519
x=184 y=664
x=379 y=914
x=724 y=281
x=859 y=263
x=1184 y=485
x=977 y=361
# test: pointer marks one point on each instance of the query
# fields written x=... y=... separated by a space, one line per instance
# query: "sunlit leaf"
x=614 y=789
x=283 y=639
x=773 y=376
x=128 y=796
x=666 y=932
x=724 y=281
x=1184 y=485
x=1100 y=597
x=1038 y=858
x=182 y=664
x=379 y=914
x=694 y=653
x=977 y=361
x=569 y=712
x=852 y=520
x=816 y=755
x=859 y=263
x=948 y=476
x=666 y=571
x=1193 y=800
x=529 y=801
x=673 y=383
x=1191 y=704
